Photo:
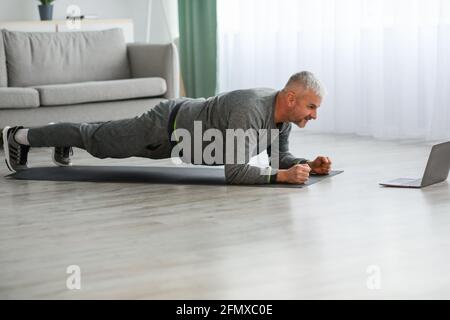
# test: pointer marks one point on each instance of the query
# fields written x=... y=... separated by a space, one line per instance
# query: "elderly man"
x=155 y=134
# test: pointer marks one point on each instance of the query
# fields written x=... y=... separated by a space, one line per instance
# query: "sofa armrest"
x=156 y=60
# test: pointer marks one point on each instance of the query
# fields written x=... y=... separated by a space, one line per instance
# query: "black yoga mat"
x=163 y=175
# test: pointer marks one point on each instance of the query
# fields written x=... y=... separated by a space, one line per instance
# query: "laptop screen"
x=438 y=164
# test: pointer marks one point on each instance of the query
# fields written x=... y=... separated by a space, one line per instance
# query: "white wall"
x=14 y=10
x=159 y=26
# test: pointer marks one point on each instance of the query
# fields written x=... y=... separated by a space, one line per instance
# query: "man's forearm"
x=288 y=160
x=247 y=174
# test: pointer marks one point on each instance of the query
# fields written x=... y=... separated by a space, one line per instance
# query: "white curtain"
x=385 y=63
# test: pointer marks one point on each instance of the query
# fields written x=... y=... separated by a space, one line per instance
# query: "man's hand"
x=321 y=165
x=297 y=174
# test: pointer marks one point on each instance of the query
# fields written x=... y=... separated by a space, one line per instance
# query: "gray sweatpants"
x=142 y=136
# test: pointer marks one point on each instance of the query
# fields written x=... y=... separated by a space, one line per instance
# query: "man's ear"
x=291 y=98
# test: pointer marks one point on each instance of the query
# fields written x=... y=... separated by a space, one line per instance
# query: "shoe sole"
x=6 y=148
x=58 y=163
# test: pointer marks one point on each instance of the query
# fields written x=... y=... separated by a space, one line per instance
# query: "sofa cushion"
x=18 y=98
x=64 y=94
x=41 y=58
x=3 y=77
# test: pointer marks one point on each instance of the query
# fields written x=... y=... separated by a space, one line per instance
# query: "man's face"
x=303 y=107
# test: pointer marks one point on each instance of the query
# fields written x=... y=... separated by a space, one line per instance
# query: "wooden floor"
x=143 y=241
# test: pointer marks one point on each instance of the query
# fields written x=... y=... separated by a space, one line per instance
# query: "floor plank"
x=143 y=241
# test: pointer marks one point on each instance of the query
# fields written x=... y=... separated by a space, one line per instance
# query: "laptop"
x=436 y=170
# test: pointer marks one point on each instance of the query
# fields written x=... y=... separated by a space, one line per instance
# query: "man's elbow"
x=232 y=179
x=232 y=175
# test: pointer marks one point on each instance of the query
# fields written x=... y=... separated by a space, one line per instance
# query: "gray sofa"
x=81 y=76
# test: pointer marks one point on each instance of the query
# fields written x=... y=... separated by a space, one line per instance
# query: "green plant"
x=46 y=2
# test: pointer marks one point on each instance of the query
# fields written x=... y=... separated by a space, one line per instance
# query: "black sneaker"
x=61 y=156
x=16 y=154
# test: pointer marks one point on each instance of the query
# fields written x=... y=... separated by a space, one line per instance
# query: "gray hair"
x=309 y=81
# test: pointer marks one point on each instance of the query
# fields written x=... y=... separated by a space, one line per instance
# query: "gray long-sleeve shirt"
x=241 y=109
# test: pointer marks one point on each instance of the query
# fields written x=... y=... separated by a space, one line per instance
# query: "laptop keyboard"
x=405 y=181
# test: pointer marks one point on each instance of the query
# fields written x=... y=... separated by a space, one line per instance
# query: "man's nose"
x=314 y=115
